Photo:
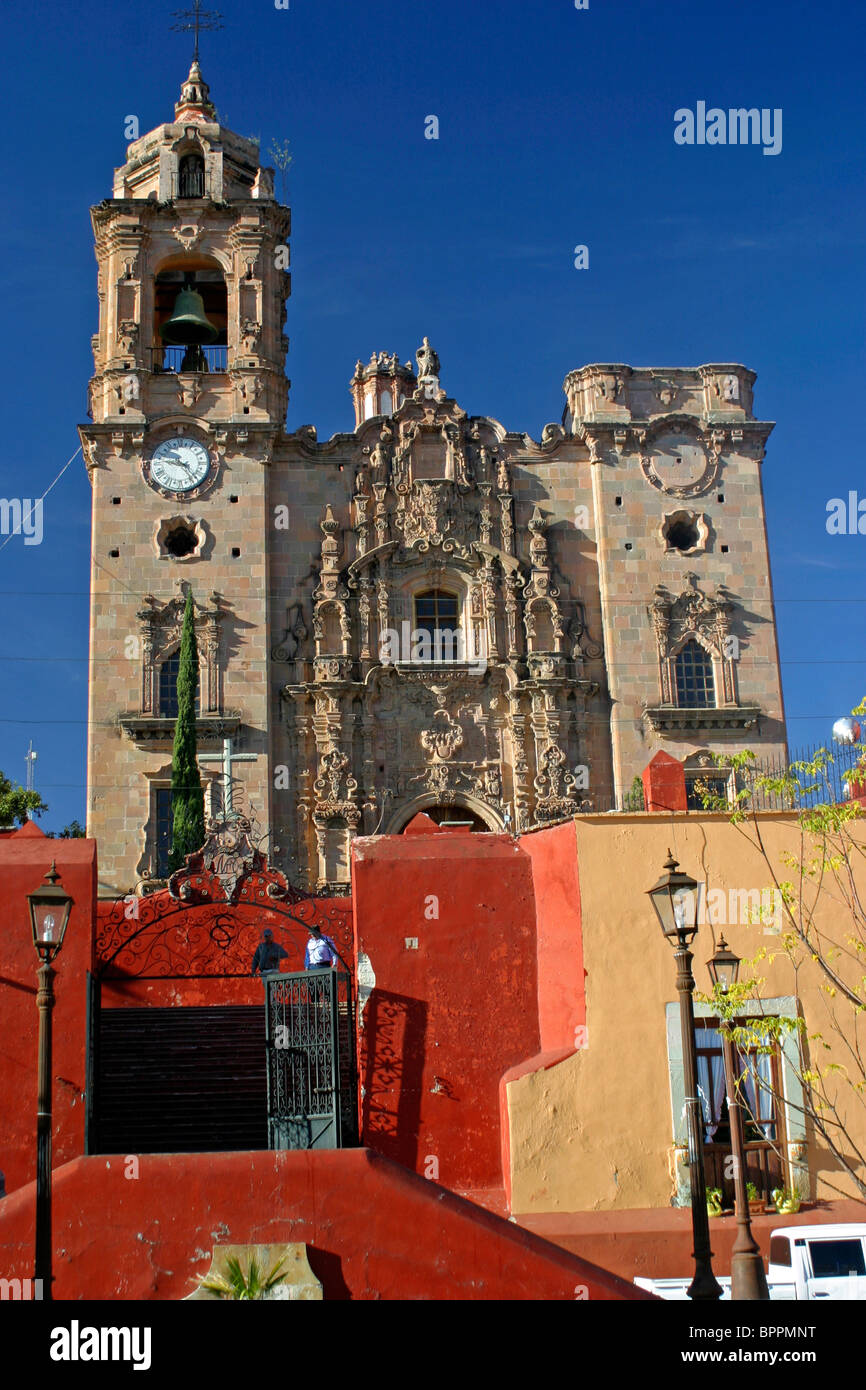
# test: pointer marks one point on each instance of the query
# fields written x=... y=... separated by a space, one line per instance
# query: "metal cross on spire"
x=194 y=21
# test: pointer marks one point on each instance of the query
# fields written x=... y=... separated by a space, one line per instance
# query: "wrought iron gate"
x=312 y=1085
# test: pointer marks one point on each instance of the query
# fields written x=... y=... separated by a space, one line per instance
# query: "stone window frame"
x=682 y=515
x=447 y=580
x=709 y=631
x=668 y=673
x=674 y=656
x=160 y=631
x=166 y=525
x=166 y=657
x=190 y=143
x=701 y=766
x=795 y=1159
x=160 y=781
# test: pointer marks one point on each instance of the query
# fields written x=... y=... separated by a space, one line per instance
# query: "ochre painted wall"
x=25 y=857
x=595 y=1132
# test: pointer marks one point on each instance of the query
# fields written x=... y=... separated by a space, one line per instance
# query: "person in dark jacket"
x=268 y=954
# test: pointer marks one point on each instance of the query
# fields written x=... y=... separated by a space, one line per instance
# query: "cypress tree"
x=187 y=796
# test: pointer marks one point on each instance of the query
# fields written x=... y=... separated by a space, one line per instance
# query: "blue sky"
x=556 y=128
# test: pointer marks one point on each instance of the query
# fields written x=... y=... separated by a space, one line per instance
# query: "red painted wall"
x=664 y=784
x=561 y=975
x=188 y=945
x=446 y=1020
x=373 y=1230
x=561 y=980
x=25 y=857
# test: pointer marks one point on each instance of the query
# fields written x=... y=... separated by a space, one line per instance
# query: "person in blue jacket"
x=321 y=953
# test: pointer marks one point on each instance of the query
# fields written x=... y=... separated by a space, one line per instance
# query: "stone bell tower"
x=187 y=400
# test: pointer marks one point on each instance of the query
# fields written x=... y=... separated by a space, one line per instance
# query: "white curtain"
x=711 y=1083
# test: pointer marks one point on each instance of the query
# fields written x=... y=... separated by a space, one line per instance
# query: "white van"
x=810 y=1262
x=806 y=1263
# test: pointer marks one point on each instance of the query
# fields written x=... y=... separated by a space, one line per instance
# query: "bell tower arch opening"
x=190 y=316
x=190 y=176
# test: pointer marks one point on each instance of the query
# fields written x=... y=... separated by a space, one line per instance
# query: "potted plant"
x=785 y=1200
x=714 y=1201
x=756 y=1202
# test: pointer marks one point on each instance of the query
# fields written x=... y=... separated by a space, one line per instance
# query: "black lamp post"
x=49 y=916
x=675 y=899
x=748 y=1280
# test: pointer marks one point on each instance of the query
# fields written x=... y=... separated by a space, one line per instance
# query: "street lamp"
x=675 y=899
x=49 y=917
x=748 y=1280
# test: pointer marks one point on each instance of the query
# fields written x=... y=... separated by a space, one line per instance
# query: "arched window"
x=454 y=815
x=190 y=177
x=438 y=614
x=168 y=687
x=694 y=675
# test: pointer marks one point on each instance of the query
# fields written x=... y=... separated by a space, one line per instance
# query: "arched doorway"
x=469 y=812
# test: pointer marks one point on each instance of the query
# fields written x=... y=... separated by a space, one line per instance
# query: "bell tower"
x=186 y=404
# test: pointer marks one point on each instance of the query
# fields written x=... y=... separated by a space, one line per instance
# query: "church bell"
x=188 y=325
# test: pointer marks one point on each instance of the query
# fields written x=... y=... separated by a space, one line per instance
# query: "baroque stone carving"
x=160 y=629
x=432 y=509
x=708 y=620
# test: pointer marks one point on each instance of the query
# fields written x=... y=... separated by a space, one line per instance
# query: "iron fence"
x=825 y=787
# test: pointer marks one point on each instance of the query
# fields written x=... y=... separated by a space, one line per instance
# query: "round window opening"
x=682 y=535
x=181 y=541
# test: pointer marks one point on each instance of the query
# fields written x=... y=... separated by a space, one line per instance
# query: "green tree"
x=16 y=804
x=823 y=933
x=187 y=796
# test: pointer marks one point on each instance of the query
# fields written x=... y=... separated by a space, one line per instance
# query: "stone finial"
x=195 y=103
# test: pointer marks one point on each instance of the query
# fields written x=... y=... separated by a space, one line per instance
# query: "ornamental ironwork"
x=312 y=1096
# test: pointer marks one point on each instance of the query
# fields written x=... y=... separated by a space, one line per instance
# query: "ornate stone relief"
x=553 y=784
x=694 y=615
x=677 y=458
x=432 y=508
x=160 y=630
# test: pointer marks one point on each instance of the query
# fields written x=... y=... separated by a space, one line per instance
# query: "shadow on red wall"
x=395 y=1027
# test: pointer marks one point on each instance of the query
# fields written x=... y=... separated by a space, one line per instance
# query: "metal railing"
x=826 y=787
x=196 y=359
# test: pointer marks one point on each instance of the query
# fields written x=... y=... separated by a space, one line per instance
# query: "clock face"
x=179 y=465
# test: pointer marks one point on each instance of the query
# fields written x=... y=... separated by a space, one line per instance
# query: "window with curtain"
x=693 y=668
x=758 y=1082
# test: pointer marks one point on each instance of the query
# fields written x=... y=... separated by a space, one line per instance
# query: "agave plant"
x=239 y=1285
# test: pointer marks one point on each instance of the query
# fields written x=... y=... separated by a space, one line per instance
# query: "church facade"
x=430 y=611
